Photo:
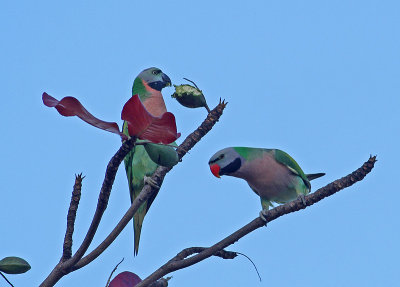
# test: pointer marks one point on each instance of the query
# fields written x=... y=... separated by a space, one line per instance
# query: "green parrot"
x=138 y=165
x=271 y=173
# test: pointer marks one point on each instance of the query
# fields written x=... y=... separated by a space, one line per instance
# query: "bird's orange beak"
x=215 y=169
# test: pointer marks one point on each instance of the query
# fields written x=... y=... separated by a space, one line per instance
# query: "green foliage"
x=14 y=265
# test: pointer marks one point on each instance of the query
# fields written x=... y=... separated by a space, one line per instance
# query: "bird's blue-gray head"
x=225 y=162
x=155 y=78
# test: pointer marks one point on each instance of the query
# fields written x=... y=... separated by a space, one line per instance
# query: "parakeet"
x=138 y=165
x=271 y=173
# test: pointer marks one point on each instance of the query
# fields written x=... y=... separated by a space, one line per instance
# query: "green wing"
x=283 y=158
x=138 y=165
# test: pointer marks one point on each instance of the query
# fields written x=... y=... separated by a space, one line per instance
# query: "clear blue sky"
x=318 y=79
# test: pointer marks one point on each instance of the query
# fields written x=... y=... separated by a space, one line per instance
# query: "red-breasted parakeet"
x=271 y=173
x=138 y=165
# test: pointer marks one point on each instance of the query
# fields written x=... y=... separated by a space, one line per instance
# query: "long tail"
x=312 y=176
x=137 y=226
x=137 y=165
x=135 y=182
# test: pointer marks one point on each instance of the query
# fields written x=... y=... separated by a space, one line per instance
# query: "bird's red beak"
x=215 y=169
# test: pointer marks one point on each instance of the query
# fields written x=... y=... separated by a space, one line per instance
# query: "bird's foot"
x=303 y=199
x=263 y=214
x=149 y=181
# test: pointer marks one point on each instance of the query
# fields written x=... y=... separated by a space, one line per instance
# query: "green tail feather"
x=137 y=226
x=137 y=165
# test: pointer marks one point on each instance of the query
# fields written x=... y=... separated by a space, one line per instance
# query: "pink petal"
x=146 y=126
x=70 y=106
x=125 y=279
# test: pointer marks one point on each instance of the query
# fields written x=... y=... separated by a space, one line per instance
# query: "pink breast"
x=155 y=105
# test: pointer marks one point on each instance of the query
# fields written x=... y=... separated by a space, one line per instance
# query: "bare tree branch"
x=183 y=259
x=180 y=261
x=64 y=267
x=102 y=202
x=192 y=250
x=73 y=207
x=76 y=261
x=158 y=177
x=160 y=283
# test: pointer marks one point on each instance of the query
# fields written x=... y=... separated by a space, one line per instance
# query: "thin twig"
x=255 y=267
x=5 y=278
x=192 y=83
x=296 y=205
x=73 y=207
x=112 y=272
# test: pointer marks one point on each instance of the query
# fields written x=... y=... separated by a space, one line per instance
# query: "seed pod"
x=14 y=265
x=190 y=97
x=162 y=154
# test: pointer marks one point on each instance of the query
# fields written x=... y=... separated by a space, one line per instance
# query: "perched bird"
x=271 y=173
x=138 y=165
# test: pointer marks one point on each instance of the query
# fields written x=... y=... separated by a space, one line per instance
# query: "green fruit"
x=190 y=97
x=14 y=265
x=161 y=154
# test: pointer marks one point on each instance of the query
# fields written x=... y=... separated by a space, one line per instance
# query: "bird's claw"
x=151 y=182
x=263 y=216
x=303 y=199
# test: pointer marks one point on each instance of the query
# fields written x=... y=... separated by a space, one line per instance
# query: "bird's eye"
x=221 y=156
x=156 y=72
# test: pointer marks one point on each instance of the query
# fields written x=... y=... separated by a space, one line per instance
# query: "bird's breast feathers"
x=155 y=104
x=266 y=176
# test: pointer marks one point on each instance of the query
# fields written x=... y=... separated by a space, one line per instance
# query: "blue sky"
x=318 y=79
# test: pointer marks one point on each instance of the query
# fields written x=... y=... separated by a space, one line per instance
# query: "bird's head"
x=155 y=78
x=225 y=162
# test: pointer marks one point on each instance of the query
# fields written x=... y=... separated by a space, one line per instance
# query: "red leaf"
x=125 y=279
x=70 y=106
x=146 y=126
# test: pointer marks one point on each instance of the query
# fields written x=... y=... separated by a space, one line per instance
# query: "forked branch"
x=67 y=263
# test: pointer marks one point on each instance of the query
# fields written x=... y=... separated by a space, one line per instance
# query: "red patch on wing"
x=70 y=106
x=215 y=170
x=146 y=126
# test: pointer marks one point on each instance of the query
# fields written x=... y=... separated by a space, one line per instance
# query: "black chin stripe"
x=159 y=85
x=212 y=161
x=232 y=167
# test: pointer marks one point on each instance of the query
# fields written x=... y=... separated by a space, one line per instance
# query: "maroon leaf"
x=70 y=106
x=146 y=126
x=125 y=279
